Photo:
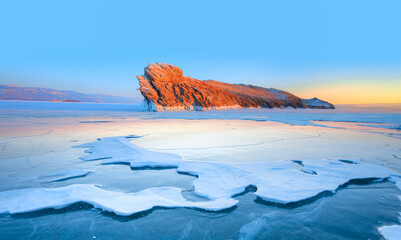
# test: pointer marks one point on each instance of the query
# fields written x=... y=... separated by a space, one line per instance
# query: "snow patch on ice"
x=124 y=204
x=216 y=180
x=114 y=150
x=277 y=181
x=391 y=232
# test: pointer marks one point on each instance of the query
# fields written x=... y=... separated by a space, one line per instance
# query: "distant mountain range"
x=13 y=92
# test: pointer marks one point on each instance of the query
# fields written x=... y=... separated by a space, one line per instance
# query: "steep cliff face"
x=165 y=88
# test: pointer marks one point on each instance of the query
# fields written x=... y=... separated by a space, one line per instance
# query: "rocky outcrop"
x=317 y=103
x=165 y=88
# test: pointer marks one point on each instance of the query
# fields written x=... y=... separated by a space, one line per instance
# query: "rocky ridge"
x=165 y=88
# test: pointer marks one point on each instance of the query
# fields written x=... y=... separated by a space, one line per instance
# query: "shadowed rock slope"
x=165 y=88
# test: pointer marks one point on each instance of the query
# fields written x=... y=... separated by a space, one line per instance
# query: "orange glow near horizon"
x=353 y=91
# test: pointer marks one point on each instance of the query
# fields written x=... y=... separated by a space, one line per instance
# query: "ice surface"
x=95 y=121
x=293 y=117
x=80 y=106
x=251 y=230
x=391 y=232
x=389 y=126
x=36 y=141
x=28 y=200
x=73 y=173
x=277 y=181
x=394 y=231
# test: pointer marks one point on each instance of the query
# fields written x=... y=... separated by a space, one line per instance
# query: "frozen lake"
x=111 y=171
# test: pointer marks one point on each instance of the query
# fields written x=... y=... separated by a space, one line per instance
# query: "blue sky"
x=100 y=46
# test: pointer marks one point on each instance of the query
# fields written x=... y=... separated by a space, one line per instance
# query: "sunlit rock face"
x=165 y=88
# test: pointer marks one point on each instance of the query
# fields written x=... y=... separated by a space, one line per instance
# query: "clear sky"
x=344 y=51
